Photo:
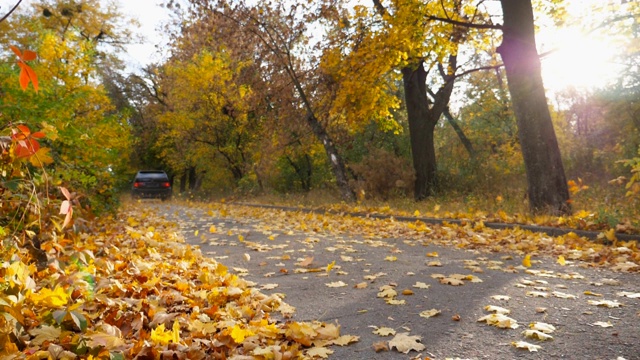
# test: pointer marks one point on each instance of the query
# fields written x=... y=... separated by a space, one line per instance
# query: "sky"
x=151 y=16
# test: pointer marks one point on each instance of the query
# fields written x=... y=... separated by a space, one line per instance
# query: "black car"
x=151 y=184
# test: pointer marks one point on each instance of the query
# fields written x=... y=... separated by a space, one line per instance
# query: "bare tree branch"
x=11 y=11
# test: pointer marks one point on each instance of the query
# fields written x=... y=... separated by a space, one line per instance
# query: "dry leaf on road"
x=405 y=343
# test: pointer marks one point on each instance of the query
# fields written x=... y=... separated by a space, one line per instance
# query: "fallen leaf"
x=561 y=260
x=590 y=293
x=336 y=284
x=605 y=303
x=407 y=292
x=330 y=266
x=535 y=334
x=429 y=313
x=321 y=352
x=526 y=262
x=361 y=285
x=501 y=297
x=563 y=295
x=543 y=327
x=499 y=320
x=497 y=309
x=602 y=324
x=421 y=285
x=456 y=317
x=391 y=258
x=306 y=262
x=451 y=281
x=541 y=294
x=432 y=254
x=384 y=331
x=405 y=343
x=629 y=294
x=380 y=346
x=526 y=345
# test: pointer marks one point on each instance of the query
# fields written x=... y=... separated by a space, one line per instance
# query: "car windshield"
x=149 y=176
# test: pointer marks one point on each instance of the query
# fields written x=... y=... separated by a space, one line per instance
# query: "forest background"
x=309 y=101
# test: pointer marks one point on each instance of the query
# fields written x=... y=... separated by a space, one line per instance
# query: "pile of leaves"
x=133 y=289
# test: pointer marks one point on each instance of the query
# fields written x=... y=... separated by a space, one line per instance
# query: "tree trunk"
x=192 y=178
x=337 y=164
x=183 y=181
x=423 y=116
x=463 y=138
x=547 y=184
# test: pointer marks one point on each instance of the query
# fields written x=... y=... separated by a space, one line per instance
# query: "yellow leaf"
x=212 y=229
x=526 y=262
x=240 y=238
x=384 y=331
x=610 y=234
x=429 y=313
x=391 y=258
x=196 y=233
x=41 y=157
x=330 y=266
x=561 y=260
x=160 y=335
x=238 y=334
x=432 y=254
x=57 y=297
x=416 y=213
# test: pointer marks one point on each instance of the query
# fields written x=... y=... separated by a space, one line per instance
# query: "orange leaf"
x=24 y=76
x=24 y=129
x=16 y=51
x=27 y=74
x=32 y=76
x=29 y=55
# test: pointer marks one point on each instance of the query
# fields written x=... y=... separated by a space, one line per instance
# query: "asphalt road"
x=277 y=257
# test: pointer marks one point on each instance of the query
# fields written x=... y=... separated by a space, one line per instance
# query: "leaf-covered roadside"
x=609 y=252
x=135 y=290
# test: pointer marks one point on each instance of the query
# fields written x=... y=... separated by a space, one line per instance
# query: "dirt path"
x=358 y=291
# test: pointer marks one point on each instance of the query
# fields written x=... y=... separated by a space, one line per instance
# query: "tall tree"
x=547 y=183
x=278 y=31
x=404 y=40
